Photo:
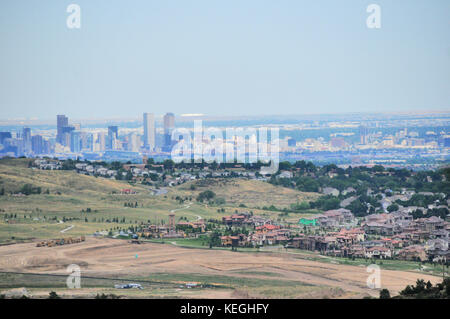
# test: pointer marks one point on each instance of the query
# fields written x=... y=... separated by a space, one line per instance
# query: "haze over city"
x=222 y=58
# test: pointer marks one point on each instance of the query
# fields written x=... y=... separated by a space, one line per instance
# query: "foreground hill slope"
x=251 y=275
x=14 y=174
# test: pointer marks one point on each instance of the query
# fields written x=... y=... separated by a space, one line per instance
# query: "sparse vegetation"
x=426 y=290
x=53 y=295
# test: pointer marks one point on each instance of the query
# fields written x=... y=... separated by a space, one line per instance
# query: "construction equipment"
x=60 y=242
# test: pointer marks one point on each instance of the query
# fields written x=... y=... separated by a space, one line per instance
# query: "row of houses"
x=142 y=172
x=403 y=237
x=386 y=248
x=401 y=223
x=265 y=231
x=245 y=219
x=171 y=230
x=95 y=170
x=83 y=168
x=429 y=243
x=331 y=219
x=47 y=164
x=262 y=236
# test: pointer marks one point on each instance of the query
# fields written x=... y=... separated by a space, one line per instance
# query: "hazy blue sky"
x=227 y=57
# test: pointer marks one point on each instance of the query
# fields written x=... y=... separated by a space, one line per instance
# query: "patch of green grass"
x=253 y=287
x=388 y=264
x=235 y=282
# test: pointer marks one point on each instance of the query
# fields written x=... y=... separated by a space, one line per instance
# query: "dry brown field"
x=246 y=274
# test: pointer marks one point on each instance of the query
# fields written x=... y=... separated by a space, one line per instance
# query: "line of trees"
x=422 y=290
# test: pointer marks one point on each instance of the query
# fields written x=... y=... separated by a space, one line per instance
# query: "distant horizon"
x=185 y=117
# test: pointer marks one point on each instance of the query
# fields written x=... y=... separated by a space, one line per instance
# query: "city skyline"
x=395 y=141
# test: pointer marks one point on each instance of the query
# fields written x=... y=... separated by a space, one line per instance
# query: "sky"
x=222 y=57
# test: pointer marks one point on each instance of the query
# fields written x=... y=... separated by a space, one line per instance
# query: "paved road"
x=68 y=228
x=185 y=207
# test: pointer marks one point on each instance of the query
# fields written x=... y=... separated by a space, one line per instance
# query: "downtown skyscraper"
x=61 y=122
x=169 y=125
x=26 y=139
x=149 y=131
x=113 y=135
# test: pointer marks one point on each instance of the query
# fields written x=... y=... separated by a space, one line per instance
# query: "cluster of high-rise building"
x=339 y=141
x=70 y=138
x=23 y=143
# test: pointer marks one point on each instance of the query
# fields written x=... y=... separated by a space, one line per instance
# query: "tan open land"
x=274 y=274
x=14 y=174
x=252 y=193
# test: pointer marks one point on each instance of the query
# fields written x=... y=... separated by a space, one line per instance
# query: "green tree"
x=385 y=294
x=168 y=164
x=129 y=176
x=393 y=208
x=53 y=295
x=214 y=240
x=206 y=195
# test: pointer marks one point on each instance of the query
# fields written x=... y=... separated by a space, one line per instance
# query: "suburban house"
x=378 y=252
x=414 y=252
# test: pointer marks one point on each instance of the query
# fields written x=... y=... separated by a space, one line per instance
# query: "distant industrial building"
x=363 y=133
x=338 y=142
x=447 y=141
x=292 y=142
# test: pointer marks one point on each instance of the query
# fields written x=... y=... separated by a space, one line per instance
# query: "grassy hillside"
x=40 y=216
x=14 y=173
x=69 y=195
x=252 y=193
